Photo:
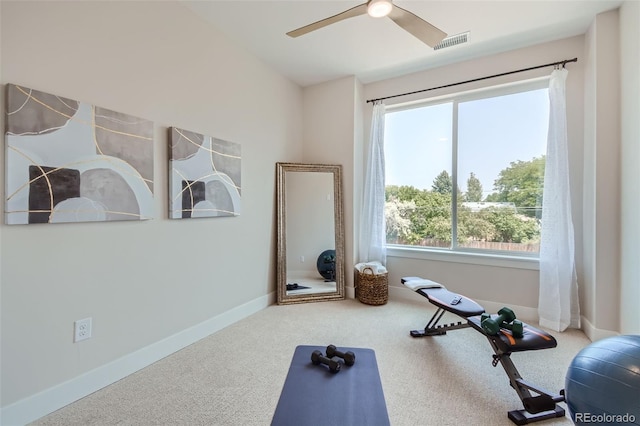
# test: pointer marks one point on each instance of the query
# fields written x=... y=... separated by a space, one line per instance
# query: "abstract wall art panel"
x=68 y=161
x=205 y=176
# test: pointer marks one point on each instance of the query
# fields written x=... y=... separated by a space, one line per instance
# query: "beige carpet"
x=234 y=377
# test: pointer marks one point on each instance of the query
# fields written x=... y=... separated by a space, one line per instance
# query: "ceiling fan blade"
x=417 y=26
x=350 y=13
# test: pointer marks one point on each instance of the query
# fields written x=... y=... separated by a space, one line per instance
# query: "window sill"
x=485 y=259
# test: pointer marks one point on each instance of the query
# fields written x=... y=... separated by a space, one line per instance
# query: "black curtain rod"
x=563 y=63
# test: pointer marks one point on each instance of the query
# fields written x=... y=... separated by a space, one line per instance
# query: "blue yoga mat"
x=312 y=395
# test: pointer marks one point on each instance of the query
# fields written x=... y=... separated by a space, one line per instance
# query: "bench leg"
x=540 y=407
x=433 y=329
x=523 y=417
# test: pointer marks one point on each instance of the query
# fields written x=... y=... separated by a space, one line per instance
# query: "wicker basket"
x=372 y=289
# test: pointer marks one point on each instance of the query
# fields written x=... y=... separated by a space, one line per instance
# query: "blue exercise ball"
x=602 y=385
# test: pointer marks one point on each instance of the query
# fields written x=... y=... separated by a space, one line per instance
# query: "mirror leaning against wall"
x=310 y=232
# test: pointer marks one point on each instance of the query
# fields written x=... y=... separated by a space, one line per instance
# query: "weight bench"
x=542 y=405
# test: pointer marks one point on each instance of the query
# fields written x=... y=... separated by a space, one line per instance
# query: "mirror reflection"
x=310 y=242
x=311 y=245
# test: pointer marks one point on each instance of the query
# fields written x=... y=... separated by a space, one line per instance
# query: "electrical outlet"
x=82 y=330
x=301 y=259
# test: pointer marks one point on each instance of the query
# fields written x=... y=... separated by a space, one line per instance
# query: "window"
x=490 y=146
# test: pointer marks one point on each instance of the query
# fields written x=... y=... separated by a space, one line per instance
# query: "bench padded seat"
x=532 y=339
x=442 y=298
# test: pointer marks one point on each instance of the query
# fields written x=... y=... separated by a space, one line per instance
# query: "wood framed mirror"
x=310 y=228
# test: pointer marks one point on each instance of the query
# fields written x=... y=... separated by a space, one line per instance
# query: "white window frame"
x=511 y=259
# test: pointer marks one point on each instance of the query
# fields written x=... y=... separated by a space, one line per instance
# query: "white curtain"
x=372 y=241
x=558 y=306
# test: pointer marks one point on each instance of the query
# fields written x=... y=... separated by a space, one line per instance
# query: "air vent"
x=452 y=41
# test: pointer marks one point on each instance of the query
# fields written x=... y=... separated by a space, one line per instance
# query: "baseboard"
x=52 y=399
x=350 y=292
x=594 y=333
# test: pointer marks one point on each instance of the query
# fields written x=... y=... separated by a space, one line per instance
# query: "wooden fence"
x=480 y=245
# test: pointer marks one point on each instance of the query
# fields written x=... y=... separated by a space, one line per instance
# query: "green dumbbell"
x=516 y=327
x=491 y=326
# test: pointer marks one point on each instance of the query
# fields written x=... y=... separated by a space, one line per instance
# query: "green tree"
x=416 y=216
x=401 y=193
x=439 y=229
x=511 y=227
x=431 y=207
x=521 y=183
x=474 y=189
x=442 y=184
x=421 y=208
x=398 y=224
x=473 y=226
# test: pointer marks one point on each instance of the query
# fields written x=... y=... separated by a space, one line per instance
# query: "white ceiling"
x=376 y=48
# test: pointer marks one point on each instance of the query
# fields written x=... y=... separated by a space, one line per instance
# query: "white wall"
x=330 y=117
x=630 y=147
x=157 y=61
x=141 y=282
x=600 y=284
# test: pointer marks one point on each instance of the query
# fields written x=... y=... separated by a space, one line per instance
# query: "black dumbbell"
x=317 y=358
x=349 y=357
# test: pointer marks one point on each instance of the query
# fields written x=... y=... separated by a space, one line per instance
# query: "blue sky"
x=492 y=133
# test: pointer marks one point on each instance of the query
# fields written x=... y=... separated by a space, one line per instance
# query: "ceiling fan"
x=413 y=24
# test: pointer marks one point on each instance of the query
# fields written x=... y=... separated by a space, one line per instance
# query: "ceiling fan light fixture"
x=379 y=8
